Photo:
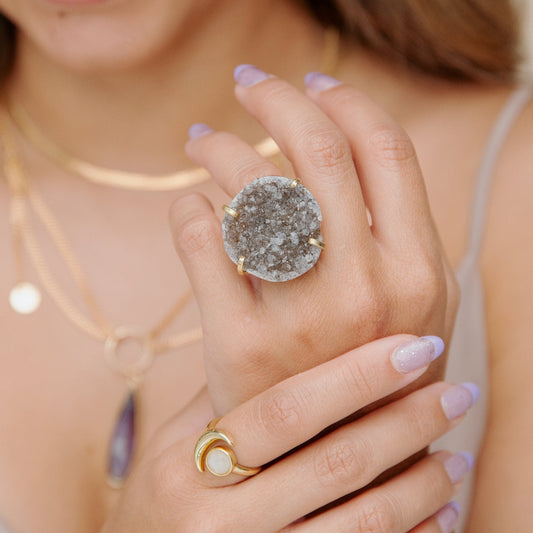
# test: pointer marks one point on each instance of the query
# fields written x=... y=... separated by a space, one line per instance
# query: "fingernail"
x=458 y=465
x=199 y=129
x=248 y=75
x=447 y=517
x=417 y=354
x=320 y=82
x=459 y=399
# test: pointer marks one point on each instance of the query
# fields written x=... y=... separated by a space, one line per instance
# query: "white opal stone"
x=219 y=462
x=24 y=298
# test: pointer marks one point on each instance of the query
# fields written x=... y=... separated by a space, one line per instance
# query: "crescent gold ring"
x=214 y=453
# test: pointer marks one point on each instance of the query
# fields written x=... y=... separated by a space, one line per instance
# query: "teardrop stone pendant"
x=122 y=444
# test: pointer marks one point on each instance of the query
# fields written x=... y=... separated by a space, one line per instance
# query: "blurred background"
x=527 y=7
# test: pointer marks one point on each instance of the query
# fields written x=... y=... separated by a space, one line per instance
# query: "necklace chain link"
x=23 y=236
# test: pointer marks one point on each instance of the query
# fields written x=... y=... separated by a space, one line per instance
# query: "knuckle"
x=360 y=380
x=196 y=234
x=326 y=148
x=431 y=282
x=308 y=317
x=249 y=168
x=339 y=462
x=280 y=412
x=371 y=308
x=424 y=281
x=377 y=516
x=391 y=147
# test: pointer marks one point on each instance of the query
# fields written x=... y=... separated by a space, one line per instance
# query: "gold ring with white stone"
x=214 y=452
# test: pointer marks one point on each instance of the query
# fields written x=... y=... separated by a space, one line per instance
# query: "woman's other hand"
x=371 y=281
x=167 y=493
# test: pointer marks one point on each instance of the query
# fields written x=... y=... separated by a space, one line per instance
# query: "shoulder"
x=507 y=268
x=508 y=246
x=507 y=257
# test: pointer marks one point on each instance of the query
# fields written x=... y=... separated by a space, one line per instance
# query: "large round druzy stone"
x=273 y=228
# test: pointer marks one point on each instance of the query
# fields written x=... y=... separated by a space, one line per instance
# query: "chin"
x=98 y=35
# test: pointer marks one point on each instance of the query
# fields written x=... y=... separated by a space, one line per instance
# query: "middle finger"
x=317 y=148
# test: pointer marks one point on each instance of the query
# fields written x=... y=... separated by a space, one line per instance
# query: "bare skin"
x=56 y=452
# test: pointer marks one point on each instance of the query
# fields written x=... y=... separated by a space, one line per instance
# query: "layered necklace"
x=25 y=297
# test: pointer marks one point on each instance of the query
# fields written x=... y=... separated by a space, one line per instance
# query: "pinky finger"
x=441 y=522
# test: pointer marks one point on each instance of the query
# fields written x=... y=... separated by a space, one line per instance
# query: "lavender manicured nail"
x=416 y=354
x=447 y=517
x=248 y=75
x=320 y=82
x=199 y=129
x=458 y=465
x=458 y=399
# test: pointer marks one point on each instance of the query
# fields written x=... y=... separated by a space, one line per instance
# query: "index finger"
x=285 y=416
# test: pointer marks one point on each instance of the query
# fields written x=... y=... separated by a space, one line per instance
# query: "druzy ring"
x=272 y=229
x=214 y=452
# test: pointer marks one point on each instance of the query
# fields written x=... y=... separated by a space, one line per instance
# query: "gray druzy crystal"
x=272 y=230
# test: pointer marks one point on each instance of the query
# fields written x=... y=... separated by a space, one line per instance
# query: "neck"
x=137 y=118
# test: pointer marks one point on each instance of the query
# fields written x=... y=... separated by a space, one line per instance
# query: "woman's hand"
x=370 y=282
x=167 y=493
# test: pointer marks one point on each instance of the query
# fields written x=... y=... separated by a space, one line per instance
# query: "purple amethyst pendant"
x=122 y=444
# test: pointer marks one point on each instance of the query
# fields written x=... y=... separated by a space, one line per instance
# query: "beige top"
x=468 y=360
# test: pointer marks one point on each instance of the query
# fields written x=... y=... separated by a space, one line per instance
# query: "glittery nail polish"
x=416 y=354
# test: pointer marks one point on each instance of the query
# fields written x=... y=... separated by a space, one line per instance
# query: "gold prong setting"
x=240 y=265
x=317 y=243
x=230 y=211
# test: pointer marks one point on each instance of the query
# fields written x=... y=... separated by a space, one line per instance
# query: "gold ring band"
x=214 y=452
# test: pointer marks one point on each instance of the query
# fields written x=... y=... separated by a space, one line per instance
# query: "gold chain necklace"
x=144 y=182
x=25 y=297
x=134 y=181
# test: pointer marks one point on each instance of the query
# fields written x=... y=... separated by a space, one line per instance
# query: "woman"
x=123 y=79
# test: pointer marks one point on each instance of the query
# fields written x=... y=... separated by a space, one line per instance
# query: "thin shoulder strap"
x=506 y=118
